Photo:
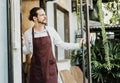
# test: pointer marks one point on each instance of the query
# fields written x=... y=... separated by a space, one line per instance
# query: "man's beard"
x=42 y=22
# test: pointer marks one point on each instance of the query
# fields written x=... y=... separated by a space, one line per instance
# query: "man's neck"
x=39 y=27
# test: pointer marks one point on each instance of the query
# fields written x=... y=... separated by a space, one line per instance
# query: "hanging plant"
x=104 y=38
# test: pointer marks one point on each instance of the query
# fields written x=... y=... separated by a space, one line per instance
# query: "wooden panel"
x=26 y=6
x=78 y=74
x=67 y=77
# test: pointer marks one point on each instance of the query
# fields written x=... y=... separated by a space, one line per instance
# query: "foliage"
x=105 y=56
x=78 y=13
x=104 y=40
x=100 y=73
x=76 y=57
x=114 y=8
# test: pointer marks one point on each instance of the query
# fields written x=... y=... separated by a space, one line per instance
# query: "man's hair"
x=33 y=12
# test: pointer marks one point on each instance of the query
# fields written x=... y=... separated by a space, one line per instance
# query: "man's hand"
x=23 y=40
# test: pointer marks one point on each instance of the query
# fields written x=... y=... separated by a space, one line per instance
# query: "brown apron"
x=43 y=65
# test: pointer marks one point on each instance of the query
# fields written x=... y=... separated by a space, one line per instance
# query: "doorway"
x=26 y=24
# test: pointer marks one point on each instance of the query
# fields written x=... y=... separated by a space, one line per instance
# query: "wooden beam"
x=43 y=4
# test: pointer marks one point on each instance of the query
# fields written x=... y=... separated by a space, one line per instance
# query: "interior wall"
x=66 y=4
x=3 y=43
x=26 y=6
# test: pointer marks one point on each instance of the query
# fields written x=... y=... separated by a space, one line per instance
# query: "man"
x=39 y=40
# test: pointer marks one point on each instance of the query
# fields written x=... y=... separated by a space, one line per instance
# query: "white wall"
x=72 y=16
x=3 y=43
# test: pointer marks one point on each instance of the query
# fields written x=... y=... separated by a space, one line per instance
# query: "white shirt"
x=55 y=40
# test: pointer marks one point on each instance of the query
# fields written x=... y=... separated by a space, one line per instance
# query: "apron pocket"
x=52 y=68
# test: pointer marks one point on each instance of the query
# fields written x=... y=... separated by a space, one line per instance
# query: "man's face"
x=41 y=16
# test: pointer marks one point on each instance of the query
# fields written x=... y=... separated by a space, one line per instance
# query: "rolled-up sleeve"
x=26 y=47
